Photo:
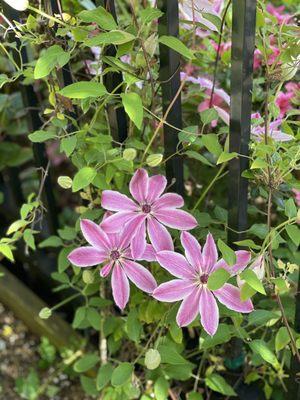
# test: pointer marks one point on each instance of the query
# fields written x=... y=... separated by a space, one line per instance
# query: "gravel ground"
x=19 y=355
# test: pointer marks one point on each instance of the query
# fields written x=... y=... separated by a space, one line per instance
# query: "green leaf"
x=282 y=339
x=247 y=243
x=161 y=388
x=103 y=376
x=100 y=16
x=51 y=241
x=260 y=347
x=259 y=163
x=113 y=37
x=6 y=251
x=251 y=278
x=152 y=359
x=149 y=14
x=218 y=384
x=29 y=238
x=121 y=374
x=133 y=105
x=246 y=292
x=16 y=225
x=154 y=159
x=133 y=326
x=83 y=90
x=259 y=230
x=83 y=178
x=212 y=144
x=88 y=385
x=93 y=316
x=217 y=279
x=199 y=157
x=41 y=136
x=294 y=233
x=79 y=317
x=290 y=209
x=177 y=45
x=207 y=116
x=227 y=253
x=86 y=362
x=194 y=396
x=224 y=157
x=68 y=145
x=53 y=57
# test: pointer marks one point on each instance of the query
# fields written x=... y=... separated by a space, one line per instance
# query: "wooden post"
x=26 y=306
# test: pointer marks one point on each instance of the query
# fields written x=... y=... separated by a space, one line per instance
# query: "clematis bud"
x=19 y=5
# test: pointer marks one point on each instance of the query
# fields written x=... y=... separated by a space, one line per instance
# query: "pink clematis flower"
x=283 y=101
x=220 y=99
x=150 y=212
x=258 y=131
x=113 y=250
x=193 y=272
x=279 y=13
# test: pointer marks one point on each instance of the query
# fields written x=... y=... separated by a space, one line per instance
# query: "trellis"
x=243 y=45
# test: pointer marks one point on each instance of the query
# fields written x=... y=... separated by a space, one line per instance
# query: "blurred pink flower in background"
x=258 y=131
x=297 y=196
x=193 y=272
x=200 y=7
x=283 y=101
x=220 y=99
x=113 y=250
x=279 y=13
x=150 y=212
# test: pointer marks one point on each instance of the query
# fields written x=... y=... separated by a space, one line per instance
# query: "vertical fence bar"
x=116 y=116
x=34 y=123
x=169 y=75
x=243 y=43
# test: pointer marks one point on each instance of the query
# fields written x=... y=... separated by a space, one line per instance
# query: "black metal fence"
x=243 y=44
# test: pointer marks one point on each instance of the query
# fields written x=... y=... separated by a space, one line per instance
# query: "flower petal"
x=189 y=308
x=138 y=243
x=120 y=286
x=157 y=185
x=209 y=254
x=94 y=234
x=149 y=253
x=140 y=276
x=115 y=201
x=127 y=234
x=168 y=200
x=159 y=236
x=138 y=185
x=242 y=259
x=106 y=269
x=87 y=256
x=230 y=296
x=116 y=222
x=176 y=264
x=209 y=311
x=177 y=219
x=174 y=290
x=192 y=249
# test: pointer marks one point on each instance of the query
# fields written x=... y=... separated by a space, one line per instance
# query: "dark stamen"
x=204 y=279
x=114 y=255
x=146 y=208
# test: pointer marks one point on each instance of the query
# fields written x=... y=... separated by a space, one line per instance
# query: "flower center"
x=204 y=279
x=146 y=208
x=115 y=254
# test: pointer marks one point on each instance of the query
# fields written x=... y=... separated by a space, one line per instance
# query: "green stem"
x=204 y=193
x=43 y=14
x=65 y=301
